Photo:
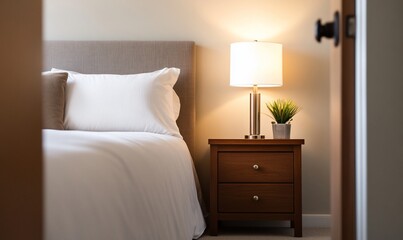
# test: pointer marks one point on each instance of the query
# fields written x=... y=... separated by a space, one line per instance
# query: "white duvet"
x=119 y=185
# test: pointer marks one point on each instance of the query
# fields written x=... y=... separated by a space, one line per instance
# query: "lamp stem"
x=254 y=115
x=254 y=90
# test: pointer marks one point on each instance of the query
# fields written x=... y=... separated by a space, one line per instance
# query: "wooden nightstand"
x=255 y=180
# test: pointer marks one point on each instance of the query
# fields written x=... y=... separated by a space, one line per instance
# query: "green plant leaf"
x=282 y=111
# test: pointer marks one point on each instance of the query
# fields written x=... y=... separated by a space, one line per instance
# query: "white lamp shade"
x=256 y=64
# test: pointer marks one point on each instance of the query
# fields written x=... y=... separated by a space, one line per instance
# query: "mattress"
x=119 y=185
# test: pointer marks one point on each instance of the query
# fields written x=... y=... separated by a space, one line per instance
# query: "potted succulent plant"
x=282 y=111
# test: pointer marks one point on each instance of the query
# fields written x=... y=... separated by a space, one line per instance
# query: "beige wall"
x=222 y=111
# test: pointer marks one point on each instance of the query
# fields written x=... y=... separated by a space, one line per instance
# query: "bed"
x=118 y=141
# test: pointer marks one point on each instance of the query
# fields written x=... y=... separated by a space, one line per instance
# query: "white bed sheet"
x=119 y=186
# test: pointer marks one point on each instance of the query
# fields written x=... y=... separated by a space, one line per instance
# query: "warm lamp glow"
x=256 y=64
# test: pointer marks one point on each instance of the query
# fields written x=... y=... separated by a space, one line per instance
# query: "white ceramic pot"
x=281 y=130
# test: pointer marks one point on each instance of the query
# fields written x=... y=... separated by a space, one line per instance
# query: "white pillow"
x=176 y=105
x=108 y=102
x=175 y=97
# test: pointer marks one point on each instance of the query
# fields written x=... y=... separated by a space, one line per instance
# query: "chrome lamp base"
x=254 y=137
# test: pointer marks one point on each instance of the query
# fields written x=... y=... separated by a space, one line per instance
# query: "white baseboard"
x=308 y=221
x=316 y=220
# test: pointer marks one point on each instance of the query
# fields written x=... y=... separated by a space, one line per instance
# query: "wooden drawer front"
x=273 y=198
x=239 y=167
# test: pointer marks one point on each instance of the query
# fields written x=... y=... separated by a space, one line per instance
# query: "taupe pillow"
x=53 y=99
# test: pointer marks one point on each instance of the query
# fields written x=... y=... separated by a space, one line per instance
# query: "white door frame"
x=361 y=118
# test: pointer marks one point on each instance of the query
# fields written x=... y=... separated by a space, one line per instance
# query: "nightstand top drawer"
x=255 y=198
x=255 y=167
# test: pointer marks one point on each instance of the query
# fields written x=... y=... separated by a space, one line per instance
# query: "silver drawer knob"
x=255 y=198
x=256 y=167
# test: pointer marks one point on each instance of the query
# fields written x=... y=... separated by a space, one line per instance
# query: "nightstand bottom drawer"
x=255 y=198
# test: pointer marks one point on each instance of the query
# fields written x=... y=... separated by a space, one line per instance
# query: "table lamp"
x=256 y=64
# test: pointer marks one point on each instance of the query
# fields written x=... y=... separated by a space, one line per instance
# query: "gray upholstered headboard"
x=125 y=57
